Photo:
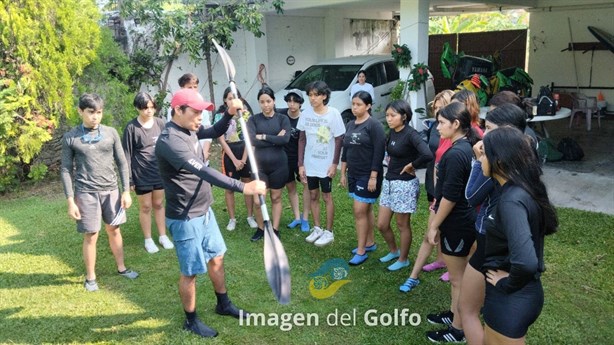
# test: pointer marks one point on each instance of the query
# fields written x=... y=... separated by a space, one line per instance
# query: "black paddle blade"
x=276 y=265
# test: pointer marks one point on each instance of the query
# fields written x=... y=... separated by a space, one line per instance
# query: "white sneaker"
x=316 y=232
x=150 y=246
x=165 y=242
x=252 y=222
x=326 y=238
x=232 y=224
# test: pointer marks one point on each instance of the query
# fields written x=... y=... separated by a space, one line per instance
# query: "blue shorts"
x=197 y=241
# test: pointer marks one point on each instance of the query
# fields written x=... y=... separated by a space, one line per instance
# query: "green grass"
x=42 y=299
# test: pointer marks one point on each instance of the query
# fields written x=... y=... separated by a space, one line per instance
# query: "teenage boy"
x=319 y=149
x=294 y=100
x=187 y=185
x=88 y=153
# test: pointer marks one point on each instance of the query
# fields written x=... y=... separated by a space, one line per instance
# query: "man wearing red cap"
x=187 y=185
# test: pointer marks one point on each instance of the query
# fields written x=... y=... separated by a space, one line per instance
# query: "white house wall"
x=549 y=34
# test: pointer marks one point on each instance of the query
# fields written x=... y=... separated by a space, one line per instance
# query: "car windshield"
x=337 y=77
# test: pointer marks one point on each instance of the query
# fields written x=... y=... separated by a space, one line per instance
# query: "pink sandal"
x=445 y=277
x=433 y=266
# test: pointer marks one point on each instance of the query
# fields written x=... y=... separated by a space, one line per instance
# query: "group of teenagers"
x=489 y=209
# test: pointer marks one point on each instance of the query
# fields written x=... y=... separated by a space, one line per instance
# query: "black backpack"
x=545 y=102
x=570 y=149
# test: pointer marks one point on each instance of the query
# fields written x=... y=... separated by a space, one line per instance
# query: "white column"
x=415 y=33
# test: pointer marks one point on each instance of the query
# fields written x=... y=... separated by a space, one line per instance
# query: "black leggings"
x=512 y=314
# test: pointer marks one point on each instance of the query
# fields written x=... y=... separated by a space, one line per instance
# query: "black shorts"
x=293 y=170
x=512 y=314
x=228 y=167
x=142 y=190
x=324 y=183
x=274 y=175
x=477 y=259
x=457 y=240
x=357 y=187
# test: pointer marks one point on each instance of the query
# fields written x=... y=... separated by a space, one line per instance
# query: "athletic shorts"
x=228 y=167
x=359 y=191
x=275 y=176
x=457 y=240
x=325 y=184
x=400 y=196
x=142 y=190
x=293 y=171
x=477 y=259
x=96 y=207
x=197 y=241
x=512 y=314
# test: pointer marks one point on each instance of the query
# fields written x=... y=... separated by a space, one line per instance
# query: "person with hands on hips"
x=515 y=231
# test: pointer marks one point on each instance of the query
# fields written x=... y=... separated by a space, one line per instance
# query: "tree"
x=45 y=45
x=175 y=27
x=479 y=22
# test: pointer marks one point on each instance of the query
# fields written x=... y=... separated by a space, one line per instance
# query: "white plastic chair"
x=586 y=105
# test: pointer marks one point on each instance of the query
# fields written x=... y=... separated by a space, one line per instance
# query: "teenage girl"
x=270 y=132
x=401 y=187
x=514 y=252
x=361 y=170
x=453 y=222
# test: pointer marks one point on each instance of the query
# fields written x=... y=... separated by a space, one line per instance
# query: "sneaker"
x=258 y=235
x=445 y=277
x=232 y=224
x=409 y=284
x=294 y=223
x=326 y=238
x=443 y=318
x=130 y=274
x=448 y=335
x=358 y=259
x=91 y=285
x=199 y=328
x=370 y=248
x=305 y=225
x=390 y=256
x=231 y=310
x=165 y=242
x=150 y=246
x=316 y=232
x=398 y=265
x=251 y=221
x=434 y=266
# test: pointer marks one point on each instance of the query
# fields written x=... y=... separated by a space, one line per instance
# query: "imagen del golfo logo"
x=324 y=283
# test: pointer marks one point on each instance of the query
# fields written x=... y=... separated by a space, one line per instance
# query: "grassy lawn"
x=42 y=299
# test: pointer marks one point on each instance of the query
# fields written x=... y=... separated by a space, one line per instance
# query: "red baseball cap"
x=191 y=98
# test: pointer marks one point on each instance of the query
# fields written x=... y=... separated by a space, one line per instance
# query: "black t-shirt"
x=186 y=179
x=292 y=145
x=404 y=147
x=514 y=240
x=363 y=147
x=268 y=151
x=452 y=176
x=139 y=144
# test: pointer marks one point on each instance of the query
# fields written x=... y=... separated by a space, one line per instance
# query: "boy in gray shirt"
x=88 y=153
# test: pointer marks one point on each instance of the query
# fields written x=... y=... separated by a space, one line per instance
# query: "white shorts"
x=400 y=196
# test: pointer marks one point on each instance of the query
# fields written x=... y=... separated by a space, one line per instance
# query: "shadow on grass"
x=24 y=281
x=67 y=329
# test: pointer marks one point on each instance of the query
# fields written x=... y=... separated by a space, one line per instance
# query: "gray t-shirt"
x=90 y=162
